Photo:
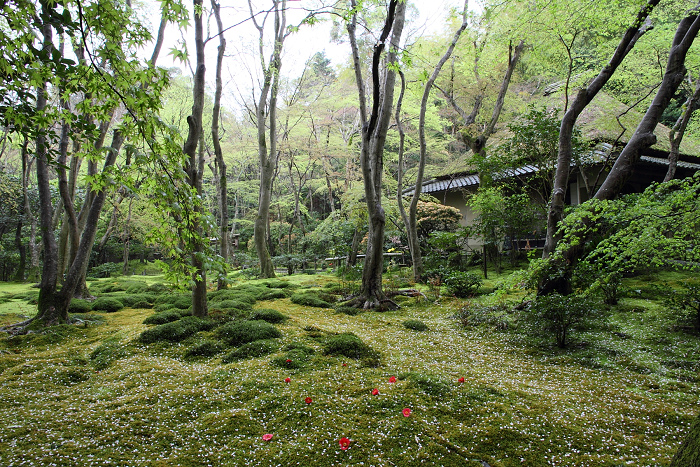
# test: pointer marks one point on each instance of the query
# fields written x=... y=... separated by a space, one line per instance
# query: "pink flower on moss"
x=375 y=391
x=392 y=379
x=287 y=379
x=267 y=437
x=406 y=412
x=344 y=443
x=308 y=400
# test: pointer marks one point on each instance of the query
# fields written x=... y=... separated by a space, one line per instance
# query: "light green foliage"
x=686 y=302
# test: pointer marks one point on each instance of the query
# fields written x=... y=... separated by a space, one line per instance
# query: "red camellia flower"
x=289 y=360
x=267 y=437
x=375 y=391
x=345 y=364
x=392 y=379
x=308 y=400
x=406 y=412
x=287 y=379
x=461 y=380
x=344 y=444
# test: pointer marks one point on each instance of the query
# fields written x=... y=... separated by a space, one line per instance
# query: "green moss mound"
x=348 y=310
x=269 y=315
x=79 y=306
x=138 y=300
x=273 y=294
x=253 y=349
x=310 y=299
x=107 y=352
x=237 y=333
x=206 y=348
x=415 y=325
x=175 y=331
x=348 y=345
x=107 y=304
x=232 y=304
x=163 y=317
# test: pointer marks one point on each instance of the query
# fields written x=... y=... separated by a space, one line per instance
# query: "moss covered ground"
x=91 y=394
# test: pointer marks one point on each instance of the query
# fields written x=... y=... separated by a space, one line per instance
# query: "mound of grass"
x=273 y=294
x=136 y=289
x=206 y=348
x=415 y=325
x=107 y=352
x=348 y=345
x=348 y=310
x=310 y=299
x=78 y=305
x=107 y=304
x=163 y=317
x=253 y=349
x=237 y=333
x=269 y=315
x=232 y=304
x=278 y=284
x=140 y=299
x=297 y=355
x=175 y=331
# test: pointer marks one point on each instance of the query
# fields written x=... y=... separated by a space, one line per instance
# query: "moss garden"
x=277 y=377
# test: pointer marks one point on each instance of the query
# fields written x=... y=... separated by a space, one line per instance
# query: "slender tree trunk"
x=374 y=132
x=192 y=168
x=678 y=131
x=216 y=114
x=410 y=222
x=34 y=246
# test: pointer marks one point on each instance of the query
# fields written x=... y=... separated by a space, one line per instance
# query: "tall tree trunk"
x=216 y=113
x=48 y=311
x=268 y=155
x=374 y=131
x=192 y=168
x=410 y=221
x=34 y=246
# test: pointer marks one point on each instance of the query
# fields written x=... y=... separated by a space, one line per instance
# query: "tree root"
x=17 y=329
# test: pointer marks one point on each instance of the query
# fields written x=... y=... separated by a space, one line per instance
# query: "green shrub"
x=559 y=315
x=415 y=325
x=273 y=294
x=163 y=317
x=310 y=299
x=462 y=284
x=301 y=347
x=131 y=300
x=157 y=288
x=108 y=351
x=107 y=304
x=278 y=284
x=136 y=289
x=79 y=306
x=236 y=304
x=348 y=310
x=237 y=333
x=175 y=331
x=237 y=294
x=348 y=345
x=254 y=349
x=271 y=316
x=207 y=348
x=474 y=315
x=686 y=304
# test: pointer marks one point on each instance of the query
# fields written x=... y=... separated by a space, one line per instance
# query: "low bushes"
x=79 y=306
x=107 y=304
x=163 y=317
x=462 y=284
x=271 y=316
x=206 y=348
x=310 y=299
x=175 y=331
x=559 y=315
x=348 y=345
x=236 y=333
